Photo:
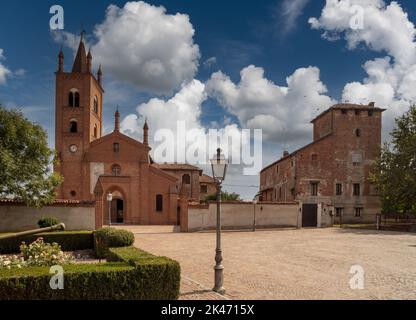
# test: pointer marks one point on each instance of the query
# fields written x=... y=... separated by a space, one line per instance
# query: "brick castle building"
x=334 y=168
x=94 y=165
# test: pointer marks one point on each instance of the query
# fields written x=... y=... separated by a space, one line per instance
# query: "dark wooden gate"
x=309 y=215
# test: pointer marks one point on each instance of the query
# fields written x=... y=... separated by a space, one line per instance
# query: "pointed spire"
x=80 y=63
x=100 y=75
x=117 y=120
x=145 y=133
x=89 y=61
x=61 y=61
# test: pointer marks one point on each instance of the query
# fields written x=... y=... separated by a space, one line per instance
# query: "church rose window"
x=116 y=170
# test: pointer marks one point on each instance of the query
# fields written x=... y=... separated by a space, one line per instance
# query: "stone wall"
x=20 y=218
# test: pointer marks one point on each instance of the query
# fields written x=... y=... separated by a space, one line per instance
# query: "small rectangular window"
x=338 y=190
x=314 y=188
x=356 y=189
x=159 y=203
x=116 y=147
x=204 y=189
x=370 y=113
x=339 y=212
x=277 y=168
x=358 y=212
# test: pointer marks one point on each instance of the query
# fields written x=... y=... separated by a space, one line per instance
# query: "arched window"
x=116 y=170
x=159 y=202
x=95 y=131
x=73 y=98
x=73 y=126
x=95 y=106
x=186 y=179
x=116 y=147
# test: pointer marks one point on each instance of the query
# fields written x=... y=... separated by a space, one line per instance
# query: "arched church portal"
x=118 y=209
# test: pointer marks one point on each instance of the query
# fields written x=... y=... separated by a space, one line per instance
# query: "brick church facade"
x=334 y=168
x=94 y=165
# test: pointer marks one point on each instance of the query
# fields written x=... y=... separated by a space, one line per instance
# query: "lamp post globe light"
x=219 y=169
x=109 y=200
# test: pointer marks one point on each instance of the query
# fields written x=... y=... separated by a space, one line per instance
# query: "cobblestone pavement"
x=291 y=264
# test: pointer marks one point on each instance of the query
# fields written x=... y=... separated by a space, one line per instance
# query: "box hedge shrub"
x=47 y=222
x=68 y=240
x=105 y=238
x=151 y=279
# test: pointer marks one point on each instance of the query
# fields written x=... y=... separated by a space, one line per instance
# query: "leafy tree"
x=394 y=174
x=24 y=160
x=225 y=196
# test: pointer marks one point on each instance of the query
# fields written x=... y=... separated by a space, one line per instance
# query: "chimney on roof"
x=372 y=104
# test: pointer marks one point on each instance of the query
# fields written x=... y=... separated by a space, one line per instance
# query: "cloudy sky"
x=268 y=64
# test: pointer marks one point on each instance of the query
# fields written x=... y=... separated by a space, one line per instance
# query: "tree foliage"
x=225 y=196
x=394 y=174
x=25 y=173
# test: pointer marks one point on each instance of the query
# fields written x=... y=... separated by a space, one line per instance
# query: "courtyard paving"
x=290 y=264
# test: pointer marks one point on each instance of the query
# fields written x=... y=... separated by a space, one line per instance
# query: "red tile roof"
x=176 y=166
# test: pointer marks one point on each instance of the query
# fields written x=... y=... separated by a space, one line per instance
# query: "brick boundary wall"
x=76 y=215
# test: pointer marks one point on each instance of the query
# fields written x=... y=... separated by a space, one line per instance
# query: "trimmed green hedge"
x=151 y=279
x=130 y=273
x=69 y=241
x=111 y=238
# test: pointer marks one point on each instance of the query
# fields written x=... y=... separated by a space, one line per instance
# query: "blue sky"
x=230 y=35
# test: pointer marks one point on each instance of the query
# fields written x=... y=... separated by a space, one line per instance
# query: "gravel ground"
x=292 y=264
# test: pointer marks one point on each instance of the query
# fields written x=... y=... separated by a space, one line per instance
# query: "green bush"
x=109 y=237
x=47 y=222
x=68 y=240
x=151 y=279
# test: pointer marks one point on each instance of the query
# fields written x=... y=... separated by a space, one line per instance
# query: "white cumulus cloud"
x=4 y=72
x=144 y=45
x=156 y=49
x=390 y=80
x=282 y=112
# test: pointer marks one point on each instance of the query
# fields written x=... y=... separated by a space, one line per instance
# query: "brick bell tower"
x=78 y=120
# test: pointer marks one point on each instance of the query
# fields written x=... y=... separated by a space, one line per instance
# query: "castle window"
x=116 y=147
x=116 y=170
x=338 y=189
x=339 y=211
x=73 y=193
x=358 y=212
x=344 y=111
x=73 y=98
x=357 y=112
x=356 y=189
x=277 y=169
x=73 y=126
x=95 y=131
x=95 y=107
x=159 y=203
x=204 y=189
x=186 y=179
x=357 y=132
x=314 y=188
